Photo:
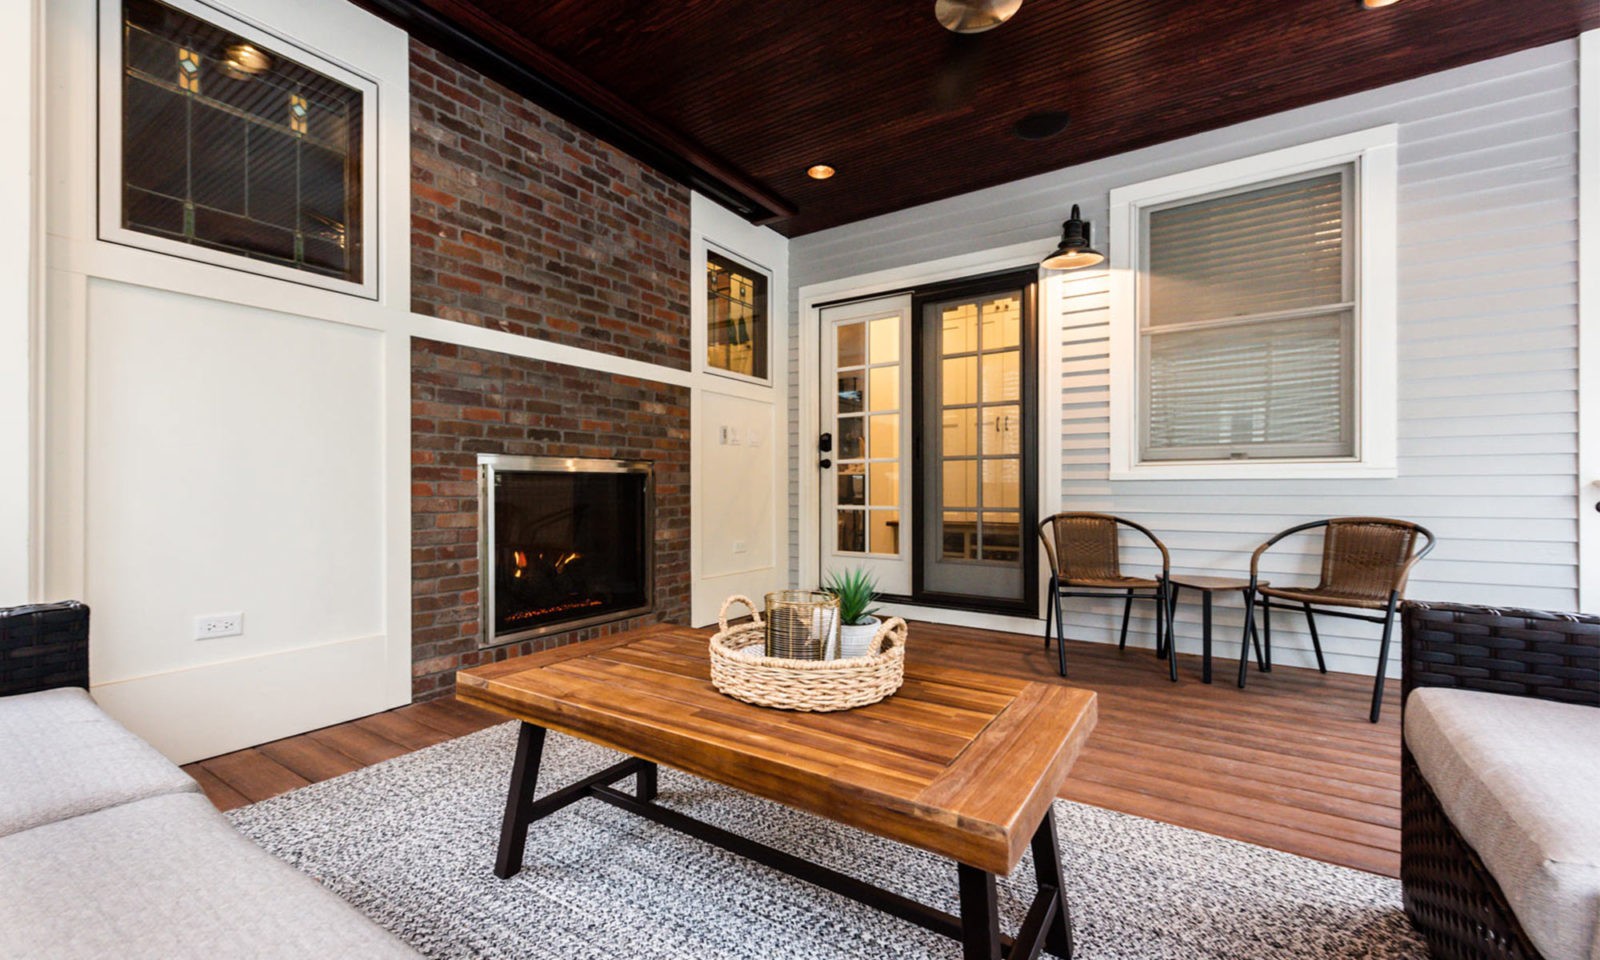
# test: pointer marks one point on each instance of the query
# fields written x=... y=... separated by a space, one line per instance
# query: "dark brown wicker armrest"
x=1524 y=653
x=43 y=646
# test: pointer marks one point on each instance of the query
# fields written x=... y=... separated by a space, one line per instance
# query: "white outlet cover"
x=218 y=625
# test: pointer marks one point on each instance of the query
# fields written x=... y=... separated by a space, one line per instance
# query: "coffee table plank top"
x=960 y=763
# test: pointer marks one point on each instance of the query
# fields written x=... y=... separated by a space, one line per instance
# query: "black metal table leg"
x=519 y=800
x=1046 y=926
x=1047 y=869
x=1205 y=636
x=980 y=914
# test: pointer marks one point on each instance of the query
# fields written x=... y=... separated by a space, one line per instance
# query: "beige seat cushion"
x=168 y=878
x=1520 y=779
x=61 y=756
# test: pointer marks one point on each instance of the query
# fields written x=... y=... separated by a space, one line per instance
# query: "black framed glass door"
x=976 y=444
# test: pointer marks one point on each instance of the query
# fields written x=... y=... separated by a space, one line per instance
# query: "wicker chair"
x=1085 y=561
x=1365 y=564
x=1455 y=903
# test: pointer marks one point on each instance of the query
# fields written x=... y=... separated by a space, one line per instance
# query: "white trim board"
x=1588 y=479
x=20 y=59
x=739 y=536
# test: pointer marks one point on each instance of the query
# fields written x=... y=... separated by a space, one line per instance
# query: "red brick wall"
x=465 y=402
x=526 y=224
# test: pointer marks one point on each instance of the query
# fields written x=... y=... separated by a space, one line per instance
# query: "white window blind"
x=1246 y=322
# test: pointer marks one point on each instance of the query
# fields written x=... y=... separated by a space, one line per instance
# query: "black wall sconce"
x=1076 y=248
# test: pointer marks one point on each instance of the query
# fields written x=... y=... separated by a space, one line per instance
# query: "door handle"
x=826 y=463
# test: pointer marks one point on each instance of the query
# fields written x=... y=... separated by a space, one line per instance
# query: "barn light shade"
x=1076 y=248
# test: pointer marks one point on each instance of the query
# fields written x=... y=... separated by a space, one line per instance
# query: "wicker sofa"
x=109 y=850
x=1500 y=780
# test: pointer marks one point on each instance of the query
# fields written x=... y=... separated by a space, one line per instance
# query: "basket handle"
x=890 y=632
x=722 y=615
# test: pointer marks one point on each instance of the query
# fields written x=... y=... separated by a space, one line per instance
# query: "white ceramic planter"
x=854 y=639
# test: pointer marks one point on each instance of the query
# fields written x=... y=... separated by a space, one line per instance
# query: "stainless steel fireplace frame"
x=491 y=463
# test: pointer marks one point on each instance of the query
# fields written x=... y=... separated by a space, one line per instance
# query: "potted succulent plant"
x=856 y=590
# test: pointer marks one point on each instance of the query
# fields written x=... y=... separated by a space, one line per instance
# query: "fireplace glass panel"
x=568 y=547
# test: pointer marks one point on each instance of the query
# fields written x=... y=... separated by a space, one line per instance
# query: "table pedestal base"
x=1047 y=925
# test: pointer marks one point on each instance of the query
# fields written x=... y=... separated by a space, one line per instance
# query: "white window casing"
x=1313 y=394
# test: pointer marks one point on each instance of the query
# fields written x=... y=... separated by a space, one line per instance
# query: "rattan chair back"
x=1085 y=546
x=1367 y=558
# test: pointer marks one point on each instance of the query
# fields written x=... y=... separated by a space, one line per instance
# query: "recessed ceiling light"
x=819 y=172
x=1042 y=125
x=1374 y=4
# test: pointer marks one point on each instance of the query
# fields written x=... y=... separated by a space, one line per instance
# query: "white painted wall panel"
x=234 y=466
x=1487 y=354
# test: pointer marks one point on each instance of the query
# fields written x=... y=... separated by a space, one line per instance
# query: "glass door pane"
x=866 y=400
x=975 y=351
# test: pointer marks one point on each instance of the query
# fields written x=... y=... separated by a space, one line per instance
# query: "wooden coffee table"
x=959 y=763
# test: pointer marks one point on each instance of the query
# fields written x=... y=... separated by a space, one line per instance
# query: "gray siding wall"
x=1487 y=344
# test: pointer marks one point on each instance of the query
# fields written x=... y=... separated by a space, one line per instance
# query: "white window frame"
x=110 y=151
x=700 y=341
x=1373 y=153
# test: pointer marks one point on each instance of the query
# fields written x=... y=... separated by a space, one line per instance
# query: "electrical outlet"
x=733 y=435
x=218 y=625
x=739 y=546
x=755 y=437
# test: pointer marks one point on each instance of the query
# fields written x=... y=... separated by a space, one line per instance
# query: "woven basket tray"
x=740 y=670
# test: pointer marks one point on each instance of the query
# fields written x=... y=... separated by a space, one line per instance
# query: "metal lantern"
x=802 y=625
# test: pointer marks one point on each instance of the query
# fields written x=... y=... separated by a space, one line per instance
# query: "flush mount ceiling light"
x=243 y=61
x=1076 y=249
x=820 y=171
x=974 y=16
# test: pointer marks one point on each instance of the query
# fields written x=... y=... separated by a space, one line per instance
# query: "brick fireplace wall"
x=524 y=224
x=466 y=402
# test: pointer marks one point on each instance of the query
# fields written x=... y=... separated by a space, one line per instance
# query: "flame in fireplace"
x=524 y=615
x=519 y=559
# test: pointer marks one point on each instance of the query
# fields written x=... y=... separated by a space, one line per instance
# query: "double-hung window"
x=1253 y=316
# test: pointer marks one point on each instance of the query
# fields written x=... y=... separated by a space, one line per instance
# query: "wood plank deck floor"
x=1289 y=763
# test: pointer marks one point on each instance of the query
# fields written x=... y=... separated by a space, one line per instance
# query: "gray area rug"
x=411 y=842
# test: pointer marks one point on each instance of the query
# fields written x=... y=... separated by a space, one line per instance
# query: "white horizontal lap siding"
x=1487 y=350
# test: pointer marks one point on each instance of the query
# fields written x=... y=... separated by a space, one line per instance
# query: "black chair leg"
x=1171 y=606
x=1061 y=636
x=1127 y=611
x=1160 y=623
x=1247 y=636
x=1264 y=651
x=1316 y=641
x=1049 y=610
x=1383 y=659
x=1165 y=600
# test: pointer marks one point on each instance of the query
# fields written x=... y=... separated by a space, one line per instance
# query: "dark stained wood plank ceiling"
x=909 y=113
